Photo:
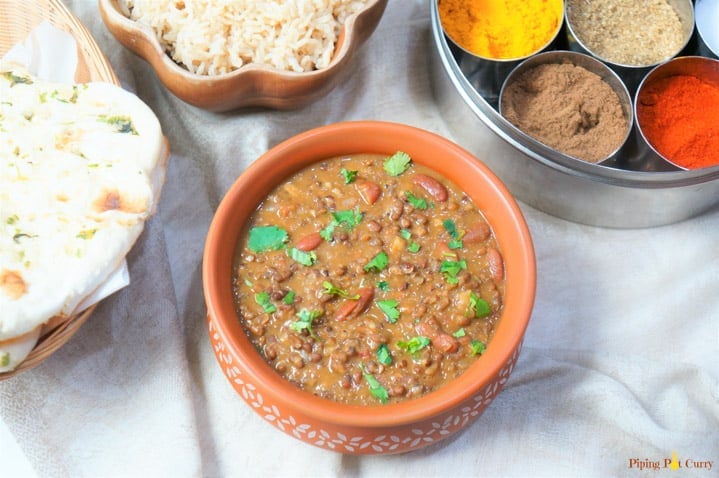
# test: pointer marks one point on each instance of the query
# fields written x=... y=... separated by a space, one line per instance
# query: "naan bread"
x=81 y=168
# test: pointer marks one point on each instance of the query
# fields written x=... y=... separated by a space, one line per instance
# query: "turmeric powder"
x=501 y=29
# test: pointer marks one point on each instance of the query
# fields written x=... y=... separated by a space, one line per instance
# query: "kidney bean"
x=496 y=264
x=433 y=187
x=477 y=233
x=309 y=242
x=369 y=191
x=352 y=308
x=440 y=339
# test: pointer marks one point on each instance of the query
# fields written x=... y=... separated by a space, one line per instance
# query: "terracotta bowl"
x=376 y=429
x=250 y=85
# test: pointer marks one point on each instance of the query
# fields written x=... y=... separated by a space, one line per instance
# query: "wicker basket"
x=17 y=19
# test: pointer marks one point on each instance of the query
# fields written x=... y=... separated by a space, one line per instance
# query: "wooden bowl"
x=380 y=429
x=252 y=84
x=17 y=20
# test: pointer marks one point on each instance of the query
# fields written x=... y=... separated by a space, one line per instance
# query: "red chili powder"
x=679 y=116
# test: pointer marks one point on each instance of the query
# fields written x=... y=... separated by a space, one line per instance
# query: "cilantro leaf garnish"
x=375 y=388
x=332 y=290
x=303 y=257
x=478 y=307
x=455 y=244
x=417 y=203
x=451 y=269
x=414 y=345
x=383 y=285
x=306 y=318
x=266 y=238
x=478 y=347
x=378 y=263
x=383 y=355
x=451 y=228
x=348 y=219
x=412 y=246
x=263 y=299
x=398 y=163
x=389 y=308
x=289 y=298
x=348 y=176
x=329 y=231
x=459 y=333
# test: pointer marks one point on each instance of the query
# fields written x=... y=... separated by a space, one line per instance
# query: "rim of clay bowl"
x=425 y=147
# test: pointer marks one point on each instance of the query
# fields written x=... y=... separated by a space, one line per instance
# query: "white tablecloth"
x=620 y=364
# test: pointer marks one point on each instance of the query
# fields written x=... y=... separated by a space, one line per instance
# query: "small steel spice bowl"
x=593 y=66
x=706 y=69
x=488 y=74
x=550 y=181
x=706 y=13
x=632 y=74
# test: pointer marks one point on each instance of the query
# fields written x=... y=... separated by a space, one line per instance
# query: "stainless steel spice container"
x=632 y=74
x=487 y=74
x=552 y=182
x=591 y=65
x=707 y=23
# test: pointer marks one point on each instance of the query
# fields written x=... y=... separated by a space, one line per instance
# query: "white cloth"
x=620 y=361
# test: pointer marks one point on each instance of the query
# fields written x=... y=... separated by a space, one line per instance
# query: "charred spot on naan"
x=116 y=200
x=12 y=284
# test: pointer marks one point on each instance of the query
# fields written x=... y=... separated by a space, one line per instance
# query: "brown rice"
x=213 y=37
